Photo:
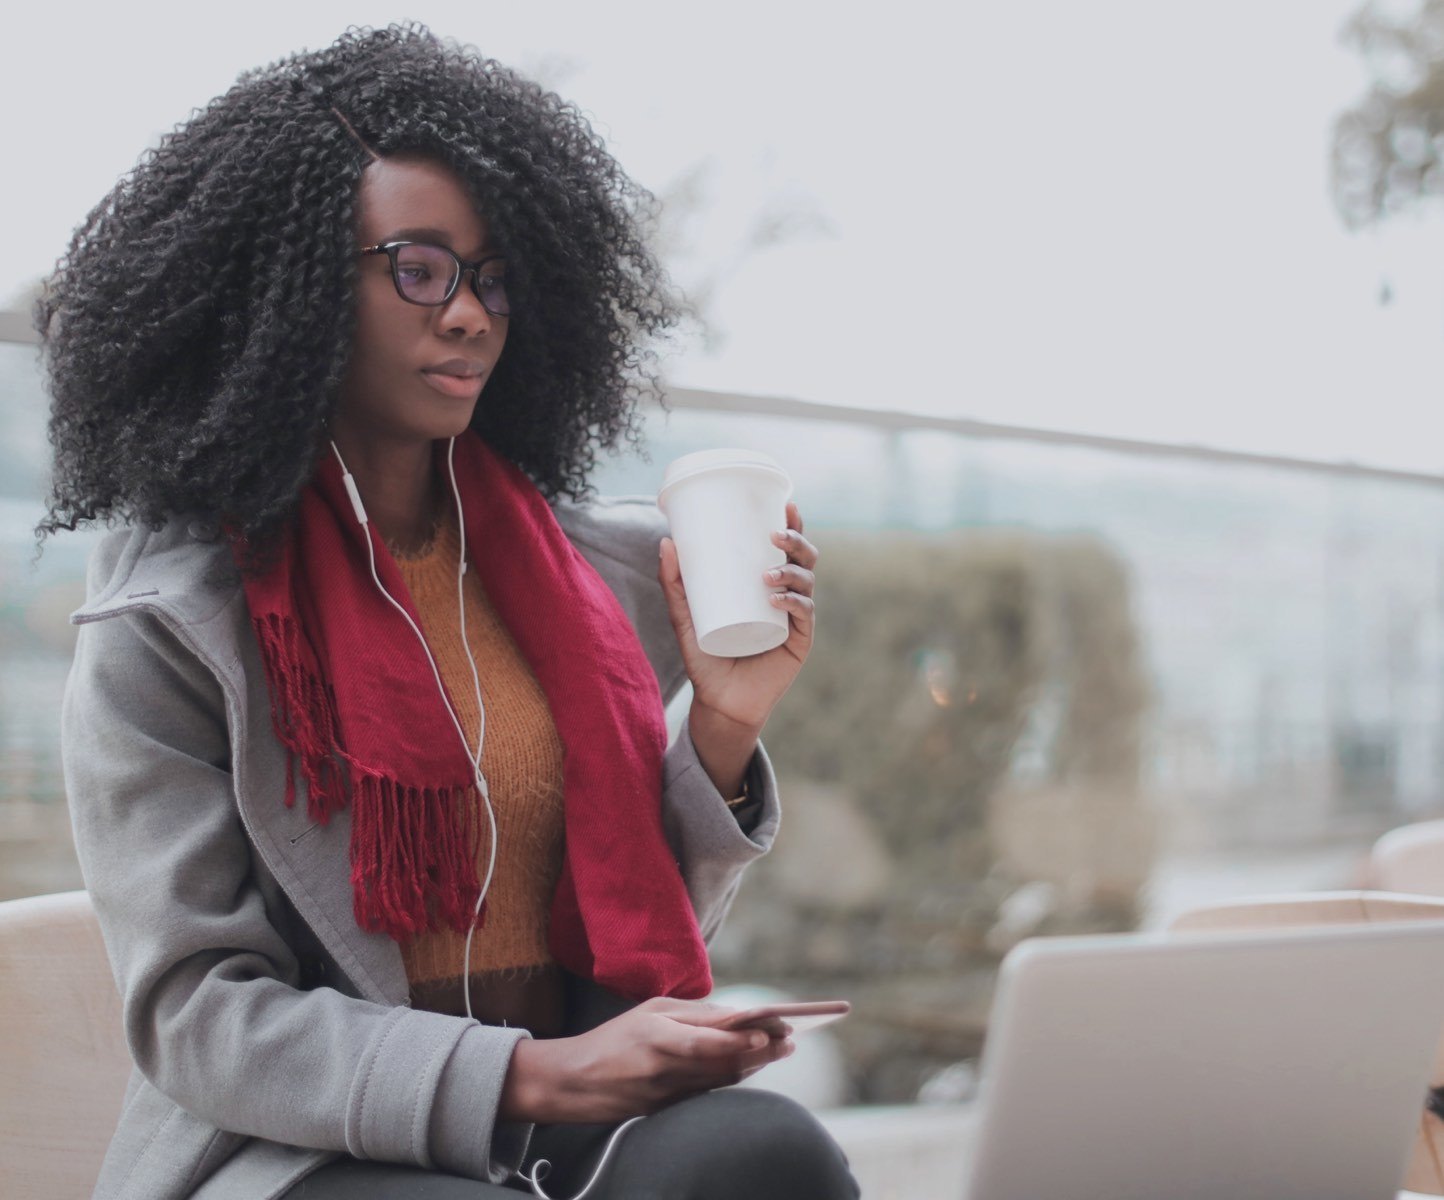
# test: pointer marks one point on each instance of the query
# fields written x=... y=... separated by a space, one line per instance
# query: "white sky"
x=1109 y=217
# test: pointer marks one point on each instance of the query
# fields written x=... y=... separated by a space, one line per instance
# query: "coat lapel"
x=311 y=861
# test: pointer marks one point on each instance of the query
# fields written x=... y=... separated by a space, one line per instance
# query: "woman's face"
x=415 y=372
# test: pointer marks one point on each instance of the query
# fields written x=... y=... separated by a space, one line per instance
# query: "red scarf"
x=354 y=702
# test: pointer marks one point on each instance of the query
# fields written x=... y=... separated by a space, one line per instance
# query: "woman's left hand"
x=742 y=691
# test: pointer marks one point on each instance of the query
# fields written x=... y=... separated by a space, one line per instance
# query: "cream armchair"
x=1426 y=1162
x=1410 y=859
x=63 y=1059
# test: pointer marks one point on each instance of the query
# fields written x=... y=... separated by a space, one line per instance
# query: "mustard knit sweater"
x=522 y=762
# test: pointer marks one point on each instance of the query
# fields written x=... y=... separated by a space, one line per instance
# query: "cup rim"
x=702 y=462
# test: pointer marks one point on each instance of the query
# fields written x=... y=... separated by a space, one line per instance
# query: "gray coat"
x=270 y=1033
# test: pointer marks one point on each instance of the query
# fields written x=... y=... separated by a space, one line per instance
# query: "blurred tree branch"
x=1388 y=152
x=701 y=260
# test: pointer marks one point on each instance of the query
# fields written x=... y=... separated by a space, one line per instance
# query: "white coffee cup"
x=723 y=507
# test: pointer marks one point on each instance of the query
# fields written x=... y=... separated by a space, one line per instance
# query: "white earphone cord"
x=474 y=757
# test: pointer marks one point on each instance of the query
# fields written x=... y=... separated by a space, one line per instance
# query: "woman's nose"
x=464 y=312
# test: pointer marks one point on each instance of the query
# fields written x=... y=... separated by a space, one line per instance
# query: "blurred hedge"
x=972 y=698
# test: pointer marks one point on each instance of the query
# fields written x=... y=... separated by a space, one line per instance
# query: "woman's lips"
x=458 y=385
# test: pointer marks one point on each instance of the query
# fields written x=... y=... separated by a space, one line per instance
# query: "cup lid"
x=712 y=460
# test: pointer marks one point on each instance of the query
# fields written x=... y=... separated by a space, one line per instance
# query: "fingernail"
x=757 y=1041
x=774 y=575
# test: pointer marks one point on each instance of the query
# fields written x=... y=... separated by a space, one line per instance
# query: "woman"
x=363 y=740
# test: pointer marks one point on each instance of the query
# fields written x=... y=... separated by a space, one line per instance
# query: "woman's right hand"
x=649 y=1057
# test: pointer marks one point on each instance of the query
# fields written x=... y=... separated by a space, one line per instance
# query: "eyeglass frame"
x=462 y=267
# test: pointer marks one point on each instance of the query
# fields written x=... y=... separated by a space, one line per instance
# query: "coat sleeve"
x=214 y=1014
x=704 y=833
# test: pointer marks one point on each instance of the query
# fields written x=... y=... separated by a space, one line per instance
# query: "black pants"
x=731 y=1144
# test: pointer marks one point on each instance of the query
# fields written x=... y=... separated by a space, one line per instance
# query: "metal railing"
x=16 y=327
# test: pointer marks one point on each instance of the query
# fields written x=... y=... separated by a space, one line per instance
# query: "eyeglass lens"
x=425 y=274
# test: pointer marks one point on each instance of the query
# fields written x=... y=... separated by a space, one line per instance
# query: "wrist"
x=532 y=1090
x=724 y=747
x=722 y=731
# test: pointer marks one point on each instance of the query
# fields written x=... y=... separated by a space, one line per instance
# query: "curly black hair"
x=197 y=328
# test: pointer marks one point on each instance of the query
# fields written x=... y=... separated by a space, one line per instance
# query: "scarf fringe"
x=420 y=857
x=304 y=718
x=413 y=850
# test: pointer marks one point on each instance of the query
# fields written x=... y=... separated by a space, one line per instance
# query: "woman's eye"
x=413 y=273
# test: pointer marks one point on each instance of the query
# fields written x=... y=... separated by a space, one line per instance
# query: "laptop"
x=1286 y=1065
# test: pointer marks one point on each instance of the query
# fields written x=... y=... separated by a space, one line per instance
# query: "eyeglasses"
x=429 y=275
